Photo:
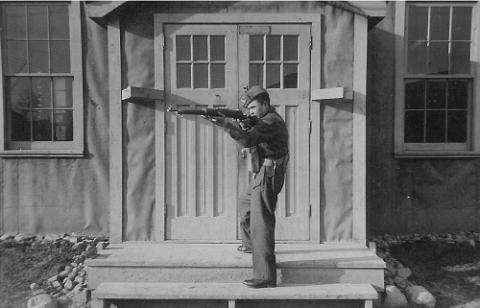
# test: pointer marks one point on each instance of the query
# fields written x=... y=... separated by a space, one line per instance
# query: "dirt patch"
x=29 y=262
x=447 y=269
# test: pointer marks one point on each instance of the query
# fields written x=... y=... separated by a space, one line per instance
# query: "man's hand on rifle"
x=219 y=121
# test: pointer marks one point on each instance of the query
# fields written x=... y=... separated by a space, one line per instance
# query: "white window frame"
x=73 y=148
x=407 y=150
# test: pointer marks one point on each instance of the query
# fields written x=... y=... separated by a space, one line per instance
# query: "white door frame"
x=314 y=19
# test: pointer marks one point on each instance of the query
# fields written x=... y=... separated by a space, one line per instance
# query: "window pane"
x=59 y=24
x=15 y=21
x=20 y=124
x=438 y=58
x=415 y=94
x=417 y=58
x=183 y=75
x=62 y=91
x=256 y=47
x=255 y=75
x=435 y=128
x=60 y=56
x=273 y=76
x=200 y=75
x=417 y=23
x=41 y=92
x=38 y=53
x=17 y=92
x=457 y=126
x=218 y=75
x=439 y=23
x=414 y=121
x=436 y=94
x=290 y=76
x=37 y=21
x=460 y=58
x=200 y=48
x=273 y=47
x=183 y=48
x=457 y=94
x=217 y=48
x=461 y=23
x=290 y=47
x=16 y=57
x=63 y=125
x=42 y=125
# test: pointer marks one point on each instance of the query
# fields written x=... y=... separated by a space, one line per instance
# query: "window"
x=204 y=55
x=273 y=58
x=42 y=81
x=436 y=81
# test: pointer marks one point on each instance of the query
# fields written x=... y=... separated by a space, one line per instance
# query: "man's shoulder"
x=272 y=118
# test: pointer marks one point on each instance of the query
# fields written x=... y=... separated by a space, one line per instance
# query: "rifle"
x=212 y=112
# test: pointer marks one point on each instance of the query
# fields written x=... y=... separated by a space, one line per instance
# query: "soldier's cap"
x=251 y=94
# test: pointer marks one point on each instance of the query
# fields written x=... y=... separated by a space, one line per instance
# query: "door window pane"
x=414 y=122
x=256 y=47
x=200 y=48
x=60 y=56
x=439 y=23
x=460 y=57
x=37 y=22
x=273 y=76
x=183 y=48
x=255 y=74
x=273 y=47
x=417 y=23
x=457 y=94
x=435 y=126
x=38 y=55
x=42 y=125
x=15 y=21
x=217 y=48
x=41 y=92
x=415 y=94
x=461 y=21
x=290 y=75
x=58 y=20
x=62 y=91
x=63 y=125
x=436 y=94
x=417 y=57
x=438 y=58
x=218 y=75
x=16 y=57
x=457 y=126
x=183 y=75
x=290 y=48
x=200 y=75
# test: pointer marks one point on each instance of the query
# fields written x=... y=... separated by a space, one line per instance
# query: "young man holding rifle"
x=267 y=136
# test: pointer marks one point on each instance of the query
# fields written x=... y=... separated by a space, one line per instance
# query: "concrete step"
x=231 y=295
x=174 y=262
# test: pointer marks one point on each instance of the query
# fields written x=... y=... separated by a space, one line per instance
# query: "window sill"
x=40 y=154
x=436 y=154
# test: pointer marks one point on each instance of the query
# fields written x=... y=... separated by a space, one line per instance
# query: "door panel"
x=201 y=160
x=278 y=57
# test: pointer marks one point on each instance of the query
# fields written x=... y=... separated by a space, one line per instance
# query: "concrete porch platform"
x=179 y=262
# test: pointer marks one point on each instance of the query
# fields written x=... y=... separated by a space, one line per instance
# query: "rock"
x=473 y=304
x=392 y=298
x=40 y=299
x=419 y=297
x=401 y=282
x=51 y=237
x=404 y=272
x=22 y=237
x=7 y=236
x=78 y=298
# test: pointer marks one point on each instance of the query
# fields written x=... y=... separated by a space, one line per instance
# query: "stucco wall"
x=410 y=195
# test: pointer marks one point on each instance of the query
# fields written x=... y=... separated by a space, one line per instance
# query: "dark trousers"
x=257 y=209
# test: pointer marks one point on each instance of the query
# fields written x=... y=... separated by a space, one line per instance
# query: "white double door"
x=211 y=66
